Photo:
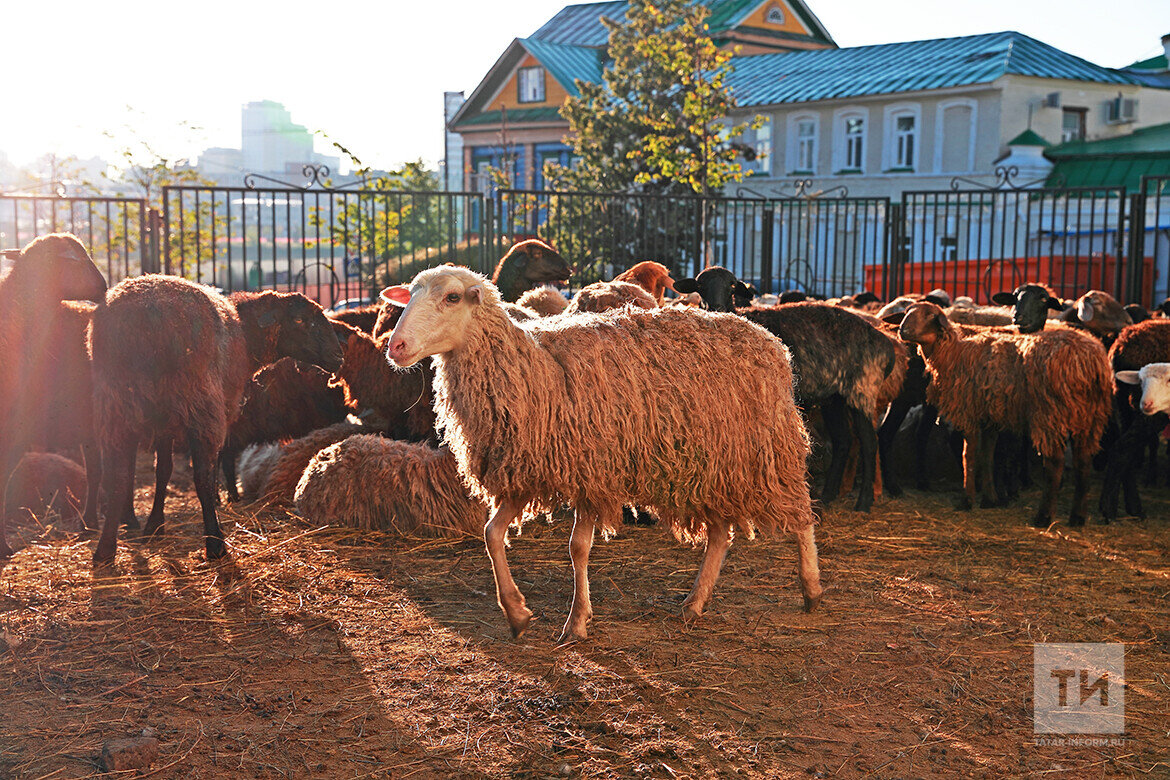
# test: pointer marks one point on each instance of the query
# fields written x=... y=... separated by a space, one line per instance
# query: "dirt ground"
x=319 y=652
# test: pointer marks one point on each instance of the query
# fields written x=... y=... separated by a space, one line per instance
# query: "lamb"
x=154 y=379
x=842 y=363
x=43 y=367
x=529 y=264
x=1136 y=347
x=282 y=401
x=603 y=296
x=401 y=398
x=545 y=301
x=653 y=277
x=372 y=483
x=276 y=476
x=44 y=482
x=1050 y=386
x=591 y=411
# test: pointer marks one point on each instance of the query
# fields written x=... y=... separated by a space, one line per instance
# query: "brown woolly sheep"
x=1100 y=314
x=603 y=296
x=556 y=412
x=44 y=482
x=529 y=264
x=40 y=360
x=984 y=316
x=545 y=301
x=1050 y=386
x=364 y=318
x=520 y=314
x=282 y=401
x=253 y=468
x=373 y=483
x=653 y=277
x=152 y=379
x=401 y=398
x=279 y=484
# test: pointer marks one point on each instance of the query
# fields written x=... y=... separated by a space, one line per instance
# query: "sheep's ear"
x=744 y=289
x=1084 y=310
x=1003 y=299
x=474 y=294
x=864 y=297
x=1129 y=377
x=1055 y=304
x=894 y=318
x=398 y=295
x=686 y=286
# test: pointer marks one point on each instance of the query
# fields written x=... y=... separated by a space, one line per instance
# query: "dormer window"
x=530 y=84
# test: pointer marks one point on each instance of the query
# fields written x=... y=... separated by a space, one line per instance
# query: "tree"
x=657 y=122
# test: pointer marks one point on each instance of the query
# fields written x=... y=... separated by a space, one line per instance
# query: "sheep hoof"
x=216 y=549
x=1076 y=521
x=103 y=559
x=691 y=613
x=1040 y=521
x=571 y=635
x=131 y=523
x=153 y=529
x=519 y=623
x=812 y=602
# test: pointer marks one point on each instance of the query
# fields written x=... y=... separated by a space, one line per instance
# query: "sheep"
x=255 y=465
x=528 y=264
x=1137 y=346
x=520 y=314
x=363 y=317
x=1050 y=386
x=545 y=301
x=1032 y=306
x=282 y=401
x=1153 y=379
x=373 y=483
x=603 y=296
x=653 y=277
x=401 y=398
x=986 y=316
x=41 y=362
x=1137 y=312
x=591 y=411
x=154 y=379
x=842 y=364
x=1100 y=314
x=278 y=484
x=43 y=481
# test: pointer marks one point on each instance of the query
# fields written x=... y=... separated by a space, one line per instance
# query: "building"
x=876 y=120
x=271 y=144
x=510 y=122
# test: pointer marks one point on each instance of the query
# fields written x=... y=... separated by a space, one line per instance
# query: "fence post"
x=895 y=230
x=487 y=237
x=151 y=262
x=767 y=231
x=1135 y=260
x=166 y=231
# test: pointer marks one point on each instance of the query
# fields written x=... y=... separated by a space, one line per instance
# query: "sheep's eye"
x=453 y=297
x=299 y=321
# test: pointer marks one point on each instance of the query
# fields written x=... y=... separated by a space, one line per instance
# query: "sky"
x=371 y=74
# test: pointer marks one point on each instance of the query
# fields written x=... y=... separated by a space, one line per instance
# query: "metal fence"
x=117 y=231
x=336 y=243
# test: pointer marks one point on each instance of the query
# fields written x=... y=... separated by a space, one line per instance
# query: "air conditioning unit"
x=1121 y=110
x=1052 y=100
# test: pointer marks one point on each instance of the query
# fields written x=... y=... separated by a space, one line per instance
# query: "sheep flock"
x=458 y=405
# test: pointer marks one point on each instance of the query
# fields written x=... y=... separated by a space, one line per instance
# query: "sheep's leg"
x=971 y=449
x=1083 y=463
x=889 y=429
x=227 y=462
x=93 y=484
x=867 y=437
x=1053 y=470
x=509 y=597
x=986 y=467
x=118 y=466
x=925 y=427
x=580 y=543
x=5 y=473
x=718 y=540
x=203 y=468
x=164 y=466
x=837 y=425
x=808 y=569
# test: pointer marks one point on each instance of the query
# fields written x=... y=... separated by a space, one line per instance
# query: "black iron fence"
x=343 y=243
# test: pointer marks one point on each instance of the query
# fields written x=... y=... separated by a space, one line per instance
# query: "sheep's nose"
x=397 y=349
x=1147 y=407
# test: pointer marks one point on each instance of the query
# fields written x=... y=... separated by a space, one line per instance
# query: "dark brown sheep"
x=44 y=482
x=282 y=401
x=1050 y=387
x=40 y=363
x=401 y=398
x=364 y=318
x=529 y=264
x=153 y=380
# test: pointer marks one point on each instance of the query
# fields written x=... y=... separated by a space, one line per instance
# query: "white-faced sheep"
x=153 y=380
x=373 y=483
x=545 y=301
x=591 y=411
x=1049 y=386
x=42 y=357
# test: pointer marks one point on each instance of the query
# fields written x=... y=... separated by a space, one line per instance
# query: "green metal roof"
x=823 y=74
x=1153 y=63
x=541 y=114
x=580 y=25
x=1028 y=138
x=1112 y=162
x=568 y=63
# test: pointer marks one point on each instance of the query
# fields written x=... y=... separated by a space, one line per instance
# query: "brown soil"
x=330 y=654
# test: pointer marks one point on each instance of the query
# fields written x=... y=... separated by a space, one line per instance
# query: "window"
x=1072 y=127
x=774 y=14
x=530 y=84
x=854 y=143
x=756 y=148
x=806 y=145
x=954 y=136
x=905 y=136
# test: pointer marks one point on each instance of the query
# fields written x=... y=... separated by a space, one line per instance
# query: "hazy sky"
x=372 y=74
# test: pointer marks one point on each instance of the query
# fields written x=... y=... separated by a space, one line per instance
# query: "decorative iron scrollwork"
x=802 y=189
x=1005 y=179
x=316 y=175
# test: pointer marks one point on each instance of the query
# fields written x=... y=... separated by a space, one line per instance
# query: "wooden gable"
x=508 y=95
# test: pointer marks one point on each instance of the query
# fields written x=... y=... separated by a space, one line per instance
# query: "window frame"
x=520 y=84
x=891 y=163
x=793 y=150
x=841 y=139
x=939 y=126
x=1082 y=115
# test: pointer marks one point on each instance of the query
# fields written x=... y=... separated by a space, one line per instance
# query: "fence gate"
x=329 y=243
x=1150 y=243
x=979 y=241
x=118 y=232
